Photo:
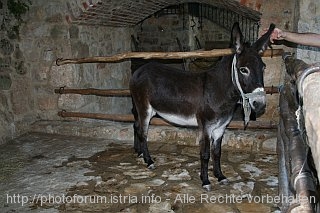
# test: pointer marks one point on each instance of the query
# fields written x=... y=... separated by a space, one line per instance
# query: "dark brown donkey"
x=206 y=99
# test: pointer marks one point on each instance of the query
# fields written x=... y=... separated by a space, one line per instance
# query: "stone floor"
x=53 y=173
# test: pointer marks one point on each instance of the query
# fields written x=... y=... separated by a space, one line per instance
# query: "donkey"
x=204 y=99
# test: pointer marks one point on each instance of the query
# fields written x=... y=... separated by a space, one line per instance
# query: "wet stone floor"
x=53 y=173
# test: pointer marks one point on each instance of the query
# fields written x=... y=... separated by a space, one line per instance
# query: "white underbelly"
x=179 y=120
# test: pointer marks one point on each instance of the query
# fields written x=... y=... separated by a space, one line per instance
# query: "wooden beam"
x=122 y=92
x=160 y=55
x=92 y=91
x=161 y=122
x=271 y=90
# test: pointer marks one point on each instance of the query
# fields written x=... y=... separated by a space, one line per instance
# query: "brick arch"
x=128 y=13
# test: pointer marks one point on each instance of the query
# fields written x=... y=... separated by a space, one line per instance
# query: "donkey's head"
x=248 y=68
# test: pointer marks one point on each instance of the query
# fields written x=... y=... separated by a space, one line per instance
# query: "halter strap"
x=245 y=96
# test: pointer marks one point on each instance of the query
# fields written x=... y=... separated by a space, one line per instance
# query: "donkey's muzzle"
x=257 y=101
x=259 y=108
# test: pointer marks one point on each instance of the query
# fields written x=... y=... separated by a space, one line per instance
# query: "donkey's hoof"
x=207 y=187
x=224 y=181
x=220 y=177
x=151 y=166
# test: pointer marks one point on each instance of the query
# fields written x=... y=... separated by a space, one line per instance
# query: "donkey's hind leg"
x=136 y=140
x=144 y=117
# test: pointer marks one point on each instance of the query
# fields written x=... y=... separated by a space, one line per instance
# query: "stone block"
x=65 y=75
x=71 y=101
x=57 y=18
x=18 y=53
x=37 y=30
x=249 y=140
x=74 y=32
x=6 y=47
x=47 y=103
x=20 y=67
x=5 y=82
x=5 y=63
x=3 y=102
x=41 y=73
x=59 y=32
x=20 y=96
x=79 y=49
x=4 y=131
x=63 y=50
x=48 y=55
x=270 y=145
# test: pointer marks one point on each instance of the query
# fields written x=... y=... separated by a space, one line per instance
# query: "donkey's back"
x=173 y=94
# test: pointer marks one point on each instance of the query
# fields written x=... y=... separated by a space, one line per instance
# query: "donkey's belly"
x=179 y=119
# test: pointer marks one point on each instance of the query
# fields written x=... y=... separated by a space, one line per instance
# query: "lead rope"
x=245 y=98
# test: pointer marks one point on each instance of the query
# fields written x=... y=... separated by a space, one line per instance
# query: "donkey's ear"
x=264 y=41
x=237 y=38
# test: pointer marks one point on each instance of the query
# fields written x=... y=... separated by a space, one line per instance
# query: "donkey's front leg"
x=216 y=157
x=204 y=158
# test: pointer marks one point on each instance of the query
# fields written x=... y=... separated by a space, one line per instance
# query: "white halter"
x=245 y=96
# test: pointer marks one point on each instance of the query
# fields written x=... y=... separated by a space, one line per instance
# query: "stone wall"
x=308 y=21
x=28 y=74
x=16 y=103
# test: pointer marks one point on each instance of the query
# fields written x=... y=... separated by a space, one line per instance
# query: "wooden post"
x=160 y=55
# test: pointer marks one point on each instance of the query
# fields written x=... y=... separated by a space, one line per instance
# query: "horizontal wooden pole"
x=271 y=90
x=272 y=53
x=122 y=92
x=161 y=122
x=92 y=91
x=160 y=55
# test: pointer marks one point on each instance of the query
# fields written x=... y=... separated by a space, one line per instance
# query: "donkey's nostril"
x=258 y=107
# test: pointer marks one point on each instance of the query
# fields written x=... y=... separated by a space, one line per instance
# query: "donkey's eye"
x=244 y=70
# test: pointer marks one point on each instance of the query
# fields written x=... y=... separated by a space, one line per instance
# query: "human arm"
x=309 y=39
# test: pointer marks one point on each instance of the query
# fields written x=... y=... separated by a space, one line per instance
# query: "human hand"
x=277 y=34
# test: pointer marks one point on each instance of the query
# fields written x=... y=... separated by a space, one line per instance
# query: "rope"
x=245 y=96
